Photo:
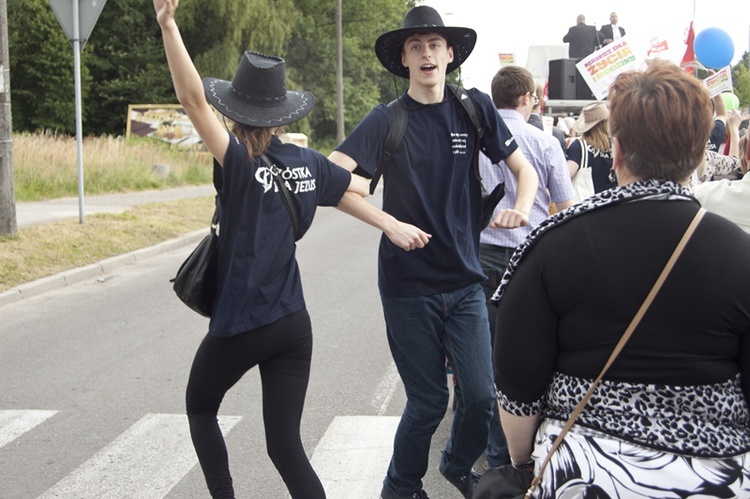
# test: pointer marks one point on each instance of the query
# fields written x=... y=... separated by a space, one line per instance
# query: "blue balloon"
x=713 y=48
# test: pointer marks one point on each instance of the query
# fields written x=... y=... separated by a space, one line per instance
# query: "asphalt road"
x=92 y=380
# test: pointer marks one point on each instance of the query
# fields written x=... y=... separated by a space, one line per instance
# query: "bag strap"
x=216 y=215
x=285 y=194
x=471 y=109
x=623 y=340
x=398 y=127
x=584 y=154
x=392 y=139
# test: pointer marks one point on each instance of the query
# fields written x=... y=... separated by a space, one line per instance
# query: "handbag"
x=583 y=183
x=195 y=281
x=508 y=482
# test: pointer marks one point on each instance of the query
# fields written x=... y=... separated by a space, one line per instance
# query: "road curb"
x=104 y=267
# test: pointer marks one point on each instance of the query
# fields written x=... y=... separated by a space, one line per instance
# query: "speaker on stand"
x=563 y=76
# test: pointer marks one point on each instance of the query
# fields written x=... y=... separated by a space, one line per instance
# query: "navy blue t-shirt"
x=259 y=280
x=430 y=183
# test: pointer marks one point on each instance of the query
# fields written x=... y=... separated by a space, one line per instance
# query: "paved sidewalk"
x=59 y=209
x=64 y=208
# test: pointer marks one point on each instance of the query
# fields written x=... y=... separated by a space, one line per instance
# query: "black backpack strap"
x=471 y=109
x=291 y=206
x=392 y=140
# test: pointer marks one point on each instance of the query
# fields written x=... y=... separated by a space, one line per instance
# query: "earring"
x=612 y=176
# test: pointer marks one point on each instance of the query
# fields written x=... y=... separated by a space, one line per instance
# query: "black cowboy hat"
x=423 y=19
x=257 y=96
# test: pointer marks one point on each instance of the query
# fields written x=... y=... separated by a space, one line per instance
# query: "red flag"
x=689 y=52
x=657 y=46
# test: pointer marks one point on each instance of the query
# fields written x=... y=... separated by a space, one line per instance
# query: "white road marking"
x=386 y=389
x=146 y=461
x=352 y=457
x=13 y=424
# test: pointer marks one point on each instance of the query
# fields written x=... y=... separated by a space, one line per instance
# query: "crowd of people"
x=525 y=310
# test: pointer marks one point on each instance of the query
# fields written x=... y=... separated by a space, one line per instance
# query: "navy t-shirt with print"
x=431 y=184
x=259 y=280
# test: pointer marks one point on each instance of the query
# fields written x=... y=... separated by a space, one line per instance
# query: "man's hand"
x=509 y=219
x=407 y=236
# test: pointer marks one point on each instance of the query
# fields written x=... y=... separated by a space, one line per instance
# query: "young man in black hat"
x=432 y=299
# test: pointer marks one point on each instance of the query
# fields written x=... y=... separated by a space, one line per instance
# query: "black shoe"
x=388 y=494
x=464 y=483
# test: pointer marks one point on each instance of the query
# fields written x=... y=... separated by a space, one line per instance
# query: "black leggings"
x=283 y=351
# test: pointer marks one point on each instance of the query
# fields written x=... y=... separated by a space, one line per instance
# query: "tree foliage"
x=741 y=80
x=41 y=69
x=123 y=61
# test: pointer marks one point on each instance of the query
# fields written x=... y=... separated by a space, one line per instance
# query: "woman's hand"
x=165 y=10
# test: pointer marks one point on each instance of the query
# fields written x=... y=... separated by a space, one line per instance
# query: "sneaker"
x=388 y=494
x=465 y=483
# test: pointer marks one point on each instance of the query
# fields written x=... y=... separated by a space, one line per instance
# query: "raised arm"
x=187 y=82
x=720 y=108
x=734 y=120
x=528 y=182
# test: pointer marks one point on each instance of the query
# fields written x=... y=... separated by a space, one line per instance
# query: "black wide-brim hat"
x=257 y=96
x=423 y=19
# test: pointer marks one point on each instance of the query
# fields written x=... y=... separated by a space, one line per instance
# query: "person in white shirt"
x=611 y=31
x=729 y=198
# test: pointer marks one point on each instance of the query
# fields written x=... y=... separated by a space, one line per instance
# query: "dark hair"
x=662 y=119
x=255 y=139
x=510 y=83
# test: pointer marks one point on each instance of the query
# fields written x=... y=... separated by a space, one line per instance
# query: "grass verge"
x=46 y=249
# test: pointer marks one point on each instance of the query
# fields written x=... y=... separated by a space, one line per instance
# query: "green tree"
x=127 y=66
x=312 y=58
x=41 y=68
x=741 y=80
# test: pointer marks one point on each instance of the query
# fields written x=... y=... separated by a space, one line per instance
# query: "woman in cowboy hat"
x=259 y=315
x=590 y=157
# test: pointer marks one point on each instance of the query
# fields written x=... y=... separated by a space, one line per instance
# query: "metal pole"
x=339 y=76
x=79 y=119
x=8 y=224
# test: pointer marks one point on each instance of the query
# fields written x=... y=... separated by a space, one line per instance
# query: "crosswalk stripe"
x=353 y=455
x=146 y=461
x=13 y=424
x=386 y=389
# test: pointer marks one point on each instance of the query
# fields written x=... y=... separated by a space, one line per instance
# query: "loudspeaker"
x=562 y=79
x=583 y=92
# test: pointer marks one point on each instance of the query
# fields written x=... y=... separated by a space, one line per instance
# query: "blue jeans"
x=422 y=331
x=494 y=261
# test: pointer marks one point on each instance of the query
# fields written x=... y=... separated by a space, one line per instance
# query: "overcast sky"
x=512 y=27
